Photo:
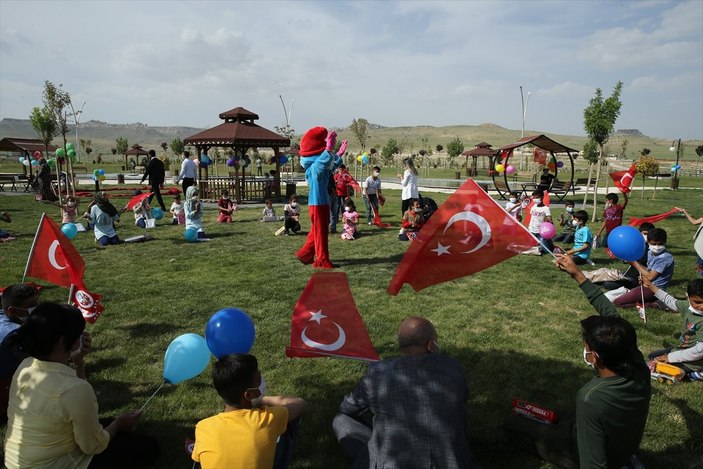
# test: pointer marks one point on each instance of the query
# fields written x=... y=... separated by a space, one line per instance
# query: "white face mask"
x=256 y=402
x=71 y=204
x=657 y=249
x=376 y=173
x=417 y=209
x=513 y=200
x=645 y=237
x=585 y=354
x=294 y=204
x=575 y=222
x=570 y=209
x=537 y=201
x=347 y=209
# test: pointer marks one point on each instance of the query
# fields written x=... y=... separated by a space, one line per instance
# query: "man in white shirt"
x=189 y=172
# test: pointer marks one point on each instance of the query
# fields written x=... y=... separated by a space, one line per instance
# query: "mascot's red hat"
x=313 y=142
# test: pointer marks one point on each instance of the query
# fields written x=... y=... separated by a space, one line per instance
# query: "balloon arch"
x=545 y=144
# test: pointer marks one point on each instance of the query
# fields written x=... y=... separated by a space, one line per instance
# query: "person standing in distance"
x=156 y=174
x=189 y=172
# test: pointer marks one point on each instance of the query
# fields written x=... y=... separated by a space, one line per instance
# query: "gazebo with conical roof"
x=239 y=133
x=135 y=151
x=481 y=149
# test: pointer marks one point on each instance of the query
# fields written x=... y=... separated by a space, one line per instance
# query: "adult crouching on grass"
x=52 y=418
x=611 y=409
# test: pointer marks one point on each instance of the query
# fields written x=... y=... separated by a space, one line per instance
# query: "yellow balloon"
x=500 y=168
x=358 y=158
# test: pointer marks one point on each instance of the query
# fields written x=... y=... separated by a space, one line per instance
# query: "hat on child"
x=313 y=142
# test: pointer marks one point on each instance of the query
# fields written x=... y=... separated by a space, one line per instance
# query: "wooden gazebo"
x=482 y=149
x=25 y=147
x=545 y=143
x=135 y=151
x=239 y=133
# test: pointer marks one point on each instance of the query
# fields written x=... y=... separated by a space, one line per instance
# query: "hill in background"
x=412 y=139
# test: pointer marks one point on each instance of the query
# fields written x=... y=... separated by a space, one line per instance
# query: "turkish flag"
x=53 y=257
x=137 y=199
x=652 y=219
x=527 y=205
x=469 y=233
x=377 y=219
x=326 y=322
x=88 y=303
x=623 y=179
x=540 y=156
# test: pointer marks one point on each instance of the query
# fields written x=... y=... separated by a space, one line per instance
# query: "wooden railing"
x=239 y=189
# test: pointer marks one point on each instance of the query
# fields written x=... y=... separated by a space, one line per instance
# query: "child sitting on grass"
x=291 y=212
x=69 y=210
x=5 y=235
x=583 y=239
x=412 y=221
x=142 y=212
x=350 y=219
x=269 y=213
x=226 y=208
x=689 y=354
x=254 y=430
x=568 y=227
x=178 y=212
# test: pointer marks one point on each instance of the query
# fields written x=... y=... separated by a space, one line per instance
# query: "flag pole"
x=519 y=223
x=70 y=293
x=31 y=250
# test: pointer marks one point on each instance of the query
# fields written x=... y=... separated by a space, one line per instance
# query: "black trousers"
x=187 y=182
x=127 y=449
x=157 y=192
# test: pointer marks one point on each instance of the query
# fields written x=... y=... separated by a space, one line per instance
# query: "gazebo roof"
x=24 y=144
x=481 y=149
x=136 y=150
x=541 y=141
x=238 y=129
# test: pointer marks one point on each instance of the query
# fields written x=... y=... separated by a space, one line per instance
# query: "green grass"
x=514 y=326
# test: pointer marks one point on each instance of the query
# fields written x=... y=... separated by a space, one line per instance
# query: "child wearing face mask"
x=689 y=354
x=659 y=271
x=412 y=221
x=291 y=213
x=514 y=206
x=540 y=213
x=567 y=224
x=612 y=216
x=269 y=213
x=262 y=428
x=193 y=208
x=583 y=239
x=350 y=219
x=69 y=210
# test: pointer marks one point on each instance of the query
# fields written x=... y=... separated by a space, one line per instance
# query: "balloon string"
x=644 y=311
x=152 y=396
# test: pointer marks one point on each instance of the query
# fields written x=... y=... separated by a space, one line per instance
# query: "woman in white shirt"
x=409 y=182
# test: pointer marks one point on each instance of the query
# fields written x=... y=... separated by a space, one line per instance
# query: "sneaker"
x=696 y=376
x=368 y=223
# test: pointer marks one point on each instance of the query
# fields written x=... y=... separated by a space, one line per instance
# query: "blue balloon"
x=230 y=330
x=186 y=357
x=283 y=159
x=626 y=243
x=101 y=172
x=191 y=235
x=70 y=230
x=157 y=213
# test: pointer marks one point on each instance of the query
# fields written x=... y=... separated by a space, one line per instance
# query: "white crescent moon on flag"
x=477 y=220
x=336 y=345
x=52 y=256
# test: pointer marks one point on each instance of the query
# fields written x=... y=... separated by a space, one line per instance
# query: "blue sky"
x=393 y=63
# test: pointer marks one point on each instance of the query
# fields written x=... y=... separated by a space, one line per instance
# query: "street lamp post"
x=676 y=147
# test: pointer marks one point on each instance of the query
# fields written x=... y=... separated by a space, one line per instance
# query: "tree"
x=454 y=149
x=121 y=145
x=359 y=128
x=177 y=146
x=623 y=149
x=164 y=146
x=114 y=151
x=285 y=131
x=439 y=148
x=645 y=151
x=389 y=150
x=646 y=166
x=44 y=124
x=599 y=122
x=699 y=152
x=55 y=101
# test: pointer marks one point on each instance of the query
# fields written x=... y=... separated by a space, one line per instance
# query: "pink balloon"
x=547 y=230
x=510 y=169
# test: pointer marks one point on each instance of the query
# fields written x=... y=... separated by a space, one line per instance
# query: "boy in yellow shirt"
x=245 y=435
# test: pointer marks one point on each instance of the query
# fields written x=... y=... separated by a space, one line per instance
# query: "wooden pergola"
x=545 y=143
x=482 y=149
x=239 y=133
x=25 y=147
x=135 y=151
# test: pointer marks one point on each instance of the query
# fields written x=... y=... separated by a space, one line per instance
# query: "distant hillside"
x=412 y=139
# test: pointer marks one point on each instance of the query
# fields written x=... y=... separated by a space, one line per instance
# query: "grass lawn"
x=514 y=326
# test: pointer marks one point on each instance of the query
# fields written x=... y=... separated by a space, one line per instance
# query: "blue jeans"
x=104 y=240
x=334 y=213
x=546 y=245
x=284 y=447
x=370 y=200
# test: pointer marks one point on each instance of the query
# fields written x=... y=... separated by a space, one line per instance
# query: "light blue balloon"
x=70 y=230
x=186 y=357
x=191 y=235
x=157 y=213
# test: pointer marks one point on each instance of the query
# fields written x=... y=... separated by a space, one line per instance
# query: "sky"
x=407 y=63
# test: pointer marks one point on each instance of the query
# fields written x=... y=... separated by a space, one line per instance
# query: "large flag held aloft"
x=469 y=233
x=623 y=179
x=326 y=322
x=53 y=257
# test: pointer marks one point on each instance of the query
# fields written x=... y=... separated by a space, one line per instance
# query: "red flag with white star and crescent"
x=469 y=233
x=326 y=322
x=623 y=179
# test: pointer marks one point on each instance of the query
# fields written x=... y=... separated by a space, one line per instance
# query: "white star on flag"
x=318 y=316
x=441 y=249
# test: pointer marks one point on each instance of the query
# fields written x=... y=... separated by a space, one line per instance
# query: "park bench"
x=584 y=182
x=561 y=189
x=81 y=168
x=8 y=179
x=503 y=188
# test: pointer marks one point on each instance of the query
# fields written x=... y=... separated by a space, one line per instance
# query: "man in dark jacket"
x=156 y=174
